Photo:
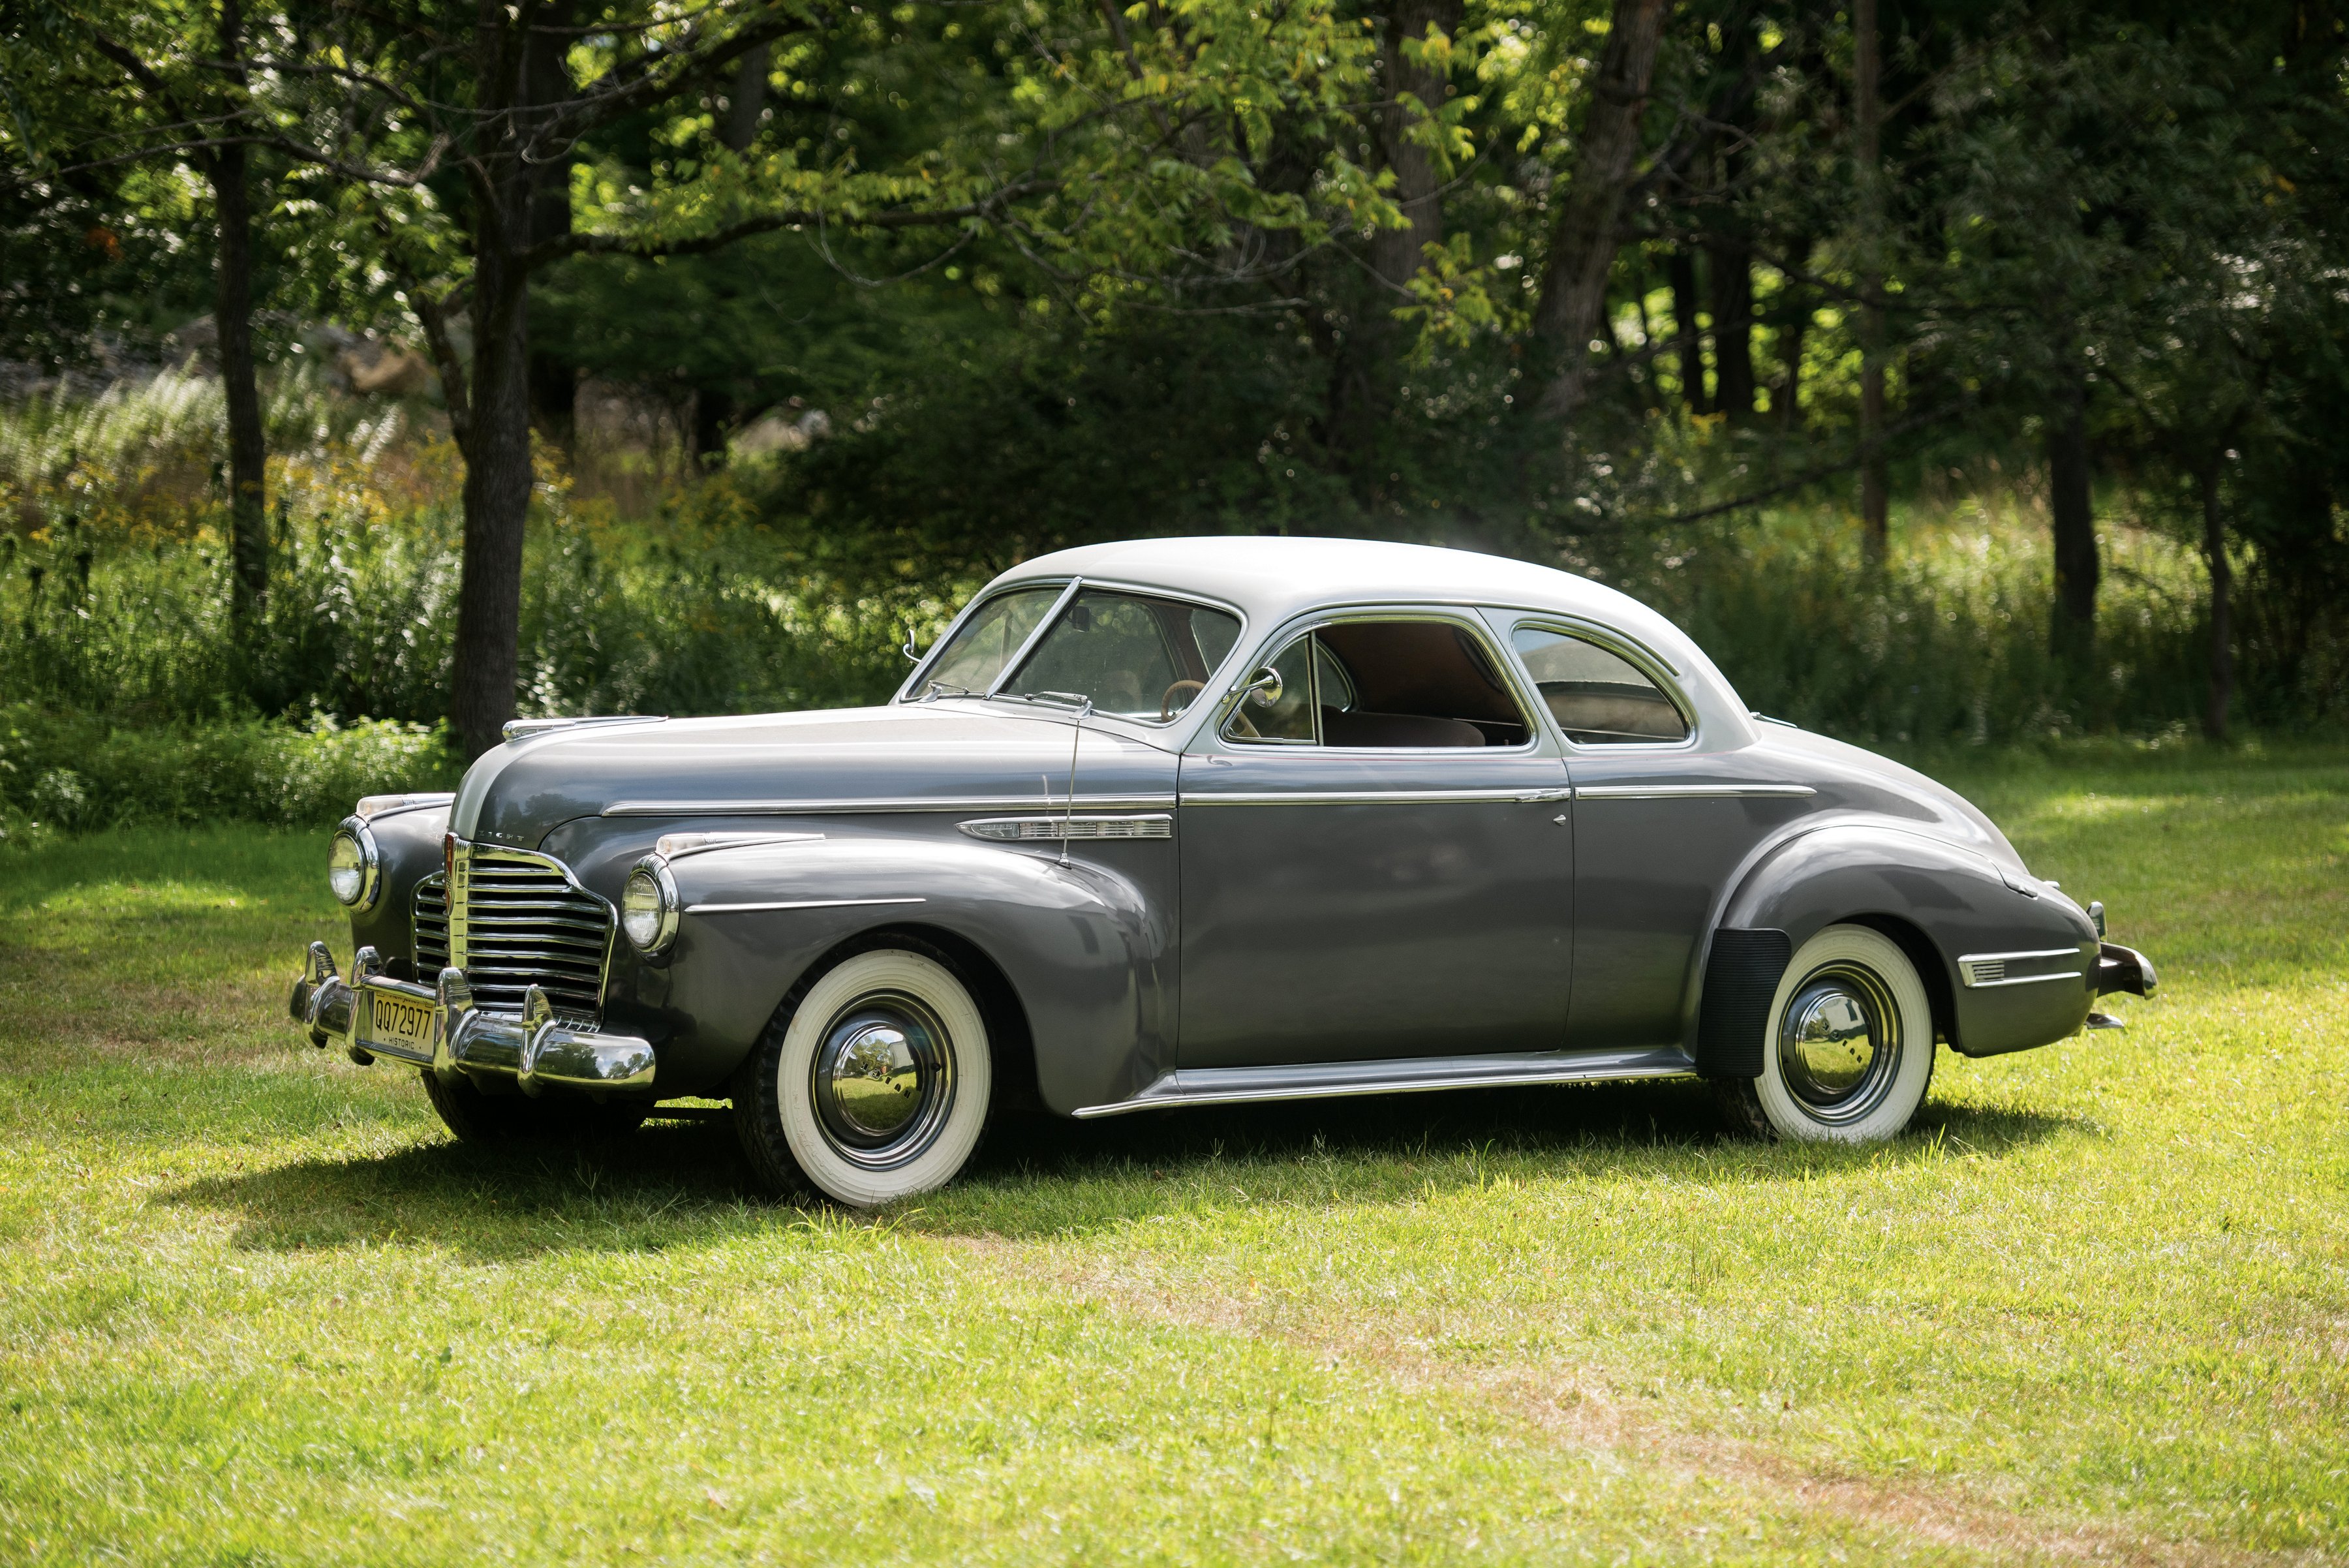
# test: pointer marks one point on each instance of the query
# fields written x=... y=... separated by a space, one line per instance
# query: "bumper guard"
x=532 y=1048
x=2125 y=970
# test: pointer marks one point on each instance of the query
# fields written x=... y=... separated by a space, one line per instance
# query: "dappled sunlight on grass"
x=2091 y=1304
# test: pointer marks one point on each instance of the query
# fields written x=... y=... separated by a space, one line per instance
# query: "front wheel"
x=873 y=1085
x=1849 y=1051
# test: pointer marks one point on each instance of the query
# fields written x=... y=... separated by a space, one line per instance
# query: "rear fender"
x=1084 y=953
x=1914 y=887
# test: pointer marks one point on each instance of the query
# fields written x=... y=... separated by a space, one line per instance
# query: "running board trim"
x=1411 y=1075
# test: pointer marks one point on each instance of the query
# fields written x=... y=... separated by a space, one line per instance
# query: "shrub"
x=76 y=773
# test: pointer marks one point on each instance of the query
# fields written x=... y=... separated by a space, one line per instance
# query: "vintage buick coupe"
x=1191 y=822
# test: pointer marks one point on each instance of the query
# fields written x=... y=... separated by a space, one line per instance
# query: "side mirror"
x=909 y=651
x=1264 y=686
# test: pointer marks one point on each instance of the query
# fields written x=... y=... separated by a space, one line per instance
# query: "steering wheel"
x=1186 y=690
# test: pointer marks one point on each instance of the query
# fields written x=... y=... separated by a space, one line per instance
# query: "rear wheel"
x=1850 y=1052
x=477 y=1117
x=873 y=1083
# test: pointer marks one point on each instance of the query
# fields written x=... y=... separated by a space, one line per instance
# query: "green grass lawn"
x=254 y=1306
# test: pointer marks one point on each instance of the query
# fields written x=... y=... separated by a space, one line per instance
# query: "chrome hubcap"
x=1839 y=1043
x=882 y=1080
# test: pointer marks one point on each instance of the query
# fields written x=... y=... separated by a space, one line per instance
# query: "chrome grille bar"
x=428 y=927
x=518 y=919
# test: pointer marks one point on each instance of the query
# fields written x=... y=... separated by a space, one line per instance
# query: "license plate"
x=402 y=1024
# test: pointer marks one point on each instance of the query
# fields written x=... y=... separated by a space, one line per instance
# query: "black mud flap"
x=1741 y=979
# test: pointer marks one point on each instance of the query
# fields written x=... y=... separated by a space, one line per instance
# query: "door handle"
x=1541 y=795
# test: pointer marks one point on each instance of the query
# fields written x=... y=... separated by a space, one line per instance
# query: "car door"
x=1663 y=819
x=1380 y=862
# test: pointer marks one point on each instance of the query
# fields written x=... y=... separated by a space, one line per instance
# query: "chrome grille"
x=517 y=919
x=429 y=928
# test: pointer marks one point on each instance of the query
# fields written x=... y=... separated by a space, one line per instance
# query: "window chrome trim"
x=1465 y=621
x=1632 y=652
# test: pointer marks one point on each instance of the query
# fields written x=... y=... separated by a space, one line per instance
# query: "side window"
x=1386 y=684
x=1290 y=720
x=1599 y=698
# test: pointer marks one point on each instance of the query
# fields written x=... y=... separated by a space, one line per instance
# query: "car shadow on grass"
x=686 y=1184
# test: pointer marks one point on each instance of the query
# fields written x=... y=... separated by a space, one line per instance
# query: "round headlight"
x=648 y=906
x=354 y=871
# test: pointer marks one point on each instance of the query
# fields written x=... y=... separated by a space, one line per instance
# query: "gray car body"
x=1319 y=920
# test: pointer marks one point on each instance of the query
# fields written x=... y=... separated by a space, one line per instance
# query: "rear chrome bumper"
x=532 y=1048
x=2125 y=970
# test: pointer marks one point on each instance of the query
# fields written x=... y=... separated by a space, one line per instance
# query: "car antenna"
x=1076 y=739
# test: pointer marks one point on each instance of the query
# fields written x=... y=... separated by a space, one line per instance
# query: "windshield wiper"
x=937 y=689
x=1058 y=698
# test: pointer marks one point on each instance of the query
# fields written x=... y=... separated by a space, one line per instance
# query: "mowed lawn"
x=254 y=1306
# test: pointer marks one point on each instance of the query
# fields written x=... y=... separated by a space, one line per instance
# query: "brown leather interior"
x=1418 y=683
x=1339 y=728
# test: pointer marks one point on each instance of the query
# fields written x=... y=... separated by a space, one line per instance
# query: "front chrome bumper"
x=532 y=1048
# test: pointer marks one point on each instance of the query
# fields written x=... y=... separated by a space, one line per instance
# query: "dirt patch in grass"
x=1580 y=1407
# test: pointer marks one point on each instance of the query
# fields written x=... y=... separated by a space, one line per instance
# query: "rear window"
x=1599 y=697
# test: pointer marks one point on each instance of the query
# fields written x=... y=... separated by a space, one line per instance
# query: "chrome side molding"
x=1031 y=829
x=1413 y=1075
x=1695 y=792
x=1983 y=972
x=870 y=806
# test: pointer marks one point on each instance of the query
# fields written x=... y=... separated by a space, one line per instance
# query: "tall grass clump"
x=1947 y=642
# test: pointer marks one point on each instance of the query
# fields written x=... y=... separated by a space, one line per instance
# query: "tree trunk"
x=2222 y=605
x=1584 y=238
x=1795 y=319
x=1731 y=273
x=713 y=417
x=1681 y=271
x=553 y=379
x=1396 y=254
x=1875 y=490
x=494 y=433
x=2072 y=505
x=497 y=503
x=747 y=105
x=233 y=314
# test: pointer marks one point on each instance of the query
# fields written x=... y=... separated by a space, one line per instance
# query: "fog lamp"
x=648 y=907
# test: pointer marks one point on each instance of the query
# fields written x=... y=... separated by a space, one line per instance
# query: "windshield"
x=1134 y=655
x=979 y=651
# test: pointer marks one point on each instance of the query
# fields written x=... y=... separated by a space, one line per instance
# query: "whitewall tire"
x=873 y=1083
x=1848 y=1051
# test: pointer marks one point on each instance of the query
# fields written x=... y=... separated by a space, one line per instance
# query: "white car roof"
x=1274 y=579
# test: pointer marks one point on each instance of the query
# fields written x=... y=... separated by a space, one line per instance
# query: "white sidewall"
x=1860 y=945
x=934 y=986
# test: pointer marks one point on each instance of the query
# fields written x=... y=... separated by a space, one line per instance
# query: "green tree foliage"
x=1584 y=279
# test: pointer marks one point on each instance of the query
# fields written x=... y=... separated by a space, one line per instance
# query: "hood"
x=863 y=757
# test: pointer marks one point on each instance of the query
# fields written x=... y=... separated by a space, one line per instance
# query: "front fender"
x=409 y=843
x=1082 y=948
x=1942 y=902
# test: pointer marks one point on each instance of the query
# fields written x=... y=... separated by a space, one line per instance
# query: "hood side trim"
x=868 y=804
